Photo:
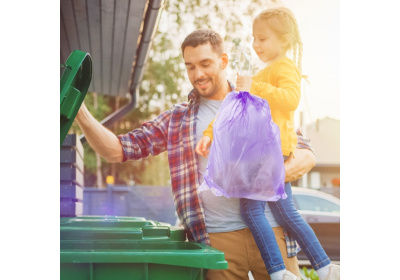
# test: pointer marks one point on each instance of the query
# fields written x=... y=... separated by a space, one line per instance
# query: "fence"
x=151 y=202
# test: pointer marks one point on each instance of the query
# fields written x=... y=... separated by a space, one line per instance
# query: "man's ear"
x=224 y=60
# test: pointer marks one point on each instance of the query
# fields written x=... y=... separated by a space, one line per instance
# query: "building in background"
x=325 y=138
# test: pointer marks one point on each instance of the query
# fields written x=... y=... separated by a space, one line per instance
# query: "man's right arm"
x=102 y=140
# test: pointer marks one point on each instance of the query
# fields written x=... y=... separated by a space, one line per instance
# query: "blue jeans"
x=286 y=215
x=289 y=218
x=252 y=212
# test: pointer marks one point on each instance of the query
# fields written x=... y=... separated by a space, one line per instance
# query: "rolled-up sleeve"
x=150 y=139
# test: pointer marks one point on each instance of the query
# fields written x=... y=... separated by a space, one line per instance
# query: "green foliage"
x=309 y=274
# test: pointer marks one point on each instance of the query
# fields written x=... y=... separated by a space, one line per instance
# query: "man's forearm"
x=102 y=140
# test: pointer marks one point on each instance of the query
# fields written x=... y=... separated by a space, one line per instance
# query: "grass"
x=308 y=274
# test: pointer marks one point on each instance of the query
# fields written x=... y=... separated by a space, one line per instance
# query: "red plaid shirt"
x=174 y=131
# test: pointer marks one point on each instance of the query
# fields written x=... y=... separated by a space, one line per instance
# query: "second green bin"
x=119 y=248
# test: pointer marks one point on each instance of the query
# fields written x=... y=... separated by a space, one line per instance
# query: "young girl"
x=275 y=32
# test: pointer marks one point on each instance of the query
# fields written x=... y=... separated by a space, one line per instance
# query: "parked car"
x=316 y=206
x=322 y=212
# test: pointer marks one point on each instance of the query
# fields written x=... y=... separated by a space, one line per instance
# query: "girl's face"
x=267 y=44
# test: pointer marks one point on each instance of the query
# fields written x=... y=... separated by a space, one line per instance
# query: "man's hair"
x=203 y=36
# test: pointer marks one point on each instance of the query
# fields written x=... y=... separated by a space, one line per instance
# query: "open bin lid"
x=74 y=84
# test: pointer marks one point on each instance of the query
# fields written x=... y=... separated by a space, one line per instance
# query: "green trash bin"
x=119 y=248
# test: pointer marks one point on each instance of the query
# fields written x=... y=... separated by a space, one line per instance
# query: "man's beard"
x=210 y=92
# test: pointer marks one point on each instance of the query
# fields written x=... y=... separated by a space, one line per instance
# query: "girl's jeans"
x=286 y=215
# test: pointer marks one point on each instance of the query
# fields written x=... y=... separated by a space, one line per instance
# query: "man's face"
x=205 y=70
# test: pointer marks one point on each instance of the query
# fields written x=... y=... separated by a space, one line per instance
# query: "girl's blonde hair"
x=282 y=21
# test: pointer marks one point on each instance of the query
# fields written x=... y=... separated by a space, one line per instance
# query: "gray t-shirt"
x=222 y=214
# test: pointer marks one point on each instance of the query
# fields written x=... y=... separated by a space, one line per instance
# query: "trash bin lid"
x=178 y=253
x=117 y=228
x=74 y=84
x=114 y=240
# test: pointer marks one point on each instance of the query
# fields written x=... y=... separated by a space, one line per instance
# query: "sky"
x=319 y=24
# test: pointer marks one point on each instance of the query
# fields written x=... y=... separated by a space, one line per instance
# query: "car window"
x=312 y=203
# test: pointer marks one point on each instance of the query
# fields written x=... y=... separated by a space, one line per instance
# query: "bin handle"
x=156 y=232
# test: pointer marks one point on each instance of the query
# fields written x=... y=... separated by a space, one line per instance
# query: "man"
x=208 y=219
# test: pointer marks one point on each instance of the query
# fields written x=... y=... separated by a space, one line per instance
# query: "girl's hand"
x=203 y=145
x=243 y=83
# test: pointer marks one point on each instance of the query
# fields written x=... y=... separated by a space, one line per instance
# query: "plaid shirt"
x=174 y=131
x=303 y=143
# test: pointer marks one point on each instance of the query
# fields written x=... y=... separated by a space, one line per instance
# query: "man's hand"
x=203 y=145
x=243 y=83
x=299 y=164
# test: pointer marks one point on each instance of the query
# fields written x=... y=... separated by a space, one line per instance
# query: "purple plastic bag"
x=246 y=159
